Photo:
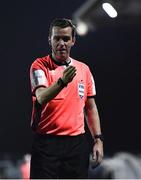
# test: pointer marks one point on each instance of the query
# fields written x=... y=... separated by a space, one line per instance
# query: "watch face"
x=60 y=83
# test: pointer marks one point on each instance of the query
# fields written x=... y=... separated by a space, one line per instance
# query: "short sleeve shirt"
x=63 y=115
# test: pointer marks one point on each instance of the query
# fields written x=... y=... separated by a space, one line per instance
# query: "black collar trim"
x=59 y=63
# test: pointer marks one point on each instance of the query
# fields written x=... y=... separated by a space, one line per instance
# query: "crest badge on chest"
x=81 y=90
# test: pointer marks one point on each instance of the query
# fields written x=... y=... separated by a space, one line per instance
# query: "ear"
x=49 y=41
x=73 y=41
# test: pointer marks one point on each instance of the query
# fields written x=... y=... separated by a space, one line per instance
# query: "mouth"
x=61 y=50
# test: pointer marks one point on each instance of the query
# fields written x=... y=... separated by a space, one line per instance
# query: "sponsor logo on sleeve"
x=38 y=78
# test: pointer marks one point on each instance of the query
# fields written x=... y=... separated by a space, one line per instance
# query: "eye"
x=56 y=38
x=66 y=38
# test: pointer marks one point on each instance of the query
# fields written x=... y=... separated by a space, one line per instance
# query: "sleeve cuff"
x=35 y=88
x=91 y=96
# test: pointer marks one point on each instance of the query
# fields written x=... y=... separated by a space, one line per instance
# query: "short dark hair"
x=62 y=23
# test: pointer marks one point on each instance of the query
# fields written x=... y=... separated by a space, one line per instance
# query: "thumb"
x=94 y=155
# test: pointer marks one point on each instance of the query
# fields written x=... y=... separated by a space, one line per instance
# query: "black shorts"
x=59 y=157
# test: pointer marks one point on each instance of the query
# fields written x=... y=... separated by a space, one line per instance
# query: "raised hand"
x=68 y=74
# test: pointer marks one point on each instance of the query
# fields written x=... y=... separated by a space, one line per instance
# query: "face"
x=61 y=42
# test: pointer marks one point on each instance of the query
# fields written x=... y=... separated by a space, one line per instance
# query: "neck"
x=61 y=63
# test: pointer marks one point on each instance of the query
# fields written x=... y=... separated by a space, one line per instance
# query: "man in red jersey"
x=62 y=90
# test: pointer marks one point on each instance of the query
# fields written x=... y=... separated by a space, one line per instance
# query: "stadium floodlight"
x=109 y=9
x=81 y=28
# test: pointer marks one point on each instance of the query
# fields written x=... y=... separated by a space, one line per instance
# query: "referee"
x=63 y=90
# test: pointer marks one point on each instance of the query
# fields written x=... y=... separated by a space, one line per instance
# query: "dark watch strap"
x=99 y=136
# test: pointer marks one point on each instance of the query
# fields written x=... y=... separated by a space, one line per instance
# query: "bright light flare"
x=82 y=28
x=109 y=9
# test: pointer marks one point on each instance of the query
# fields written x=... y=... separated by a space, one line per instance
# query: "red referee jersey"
x=64 y=114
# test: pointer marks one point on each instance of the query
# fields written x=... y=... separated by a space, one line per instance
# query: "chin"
x=62 y=58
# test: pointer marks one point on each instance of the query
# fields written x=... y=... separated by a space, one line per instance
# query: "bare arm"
x=44 y=95
x=92 y=115
x=93 y=121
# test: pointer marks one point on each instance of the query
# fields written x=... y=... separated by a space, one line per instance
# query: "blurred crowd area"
x=122 y=165
x=15 y=168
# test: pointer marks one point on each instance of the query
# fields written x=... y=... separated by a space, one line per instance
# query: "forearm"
x=44 y=95
x=93 y=119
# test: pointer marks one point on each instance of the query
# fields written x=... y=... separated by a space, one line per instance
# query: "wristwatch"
x=99 y=136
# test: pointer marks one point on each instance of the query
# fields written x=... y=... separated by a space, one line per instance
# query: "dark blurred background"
x=111 y=48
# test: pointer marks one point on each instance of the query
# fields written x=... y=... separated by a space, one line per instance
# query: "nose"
x=61 y=42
